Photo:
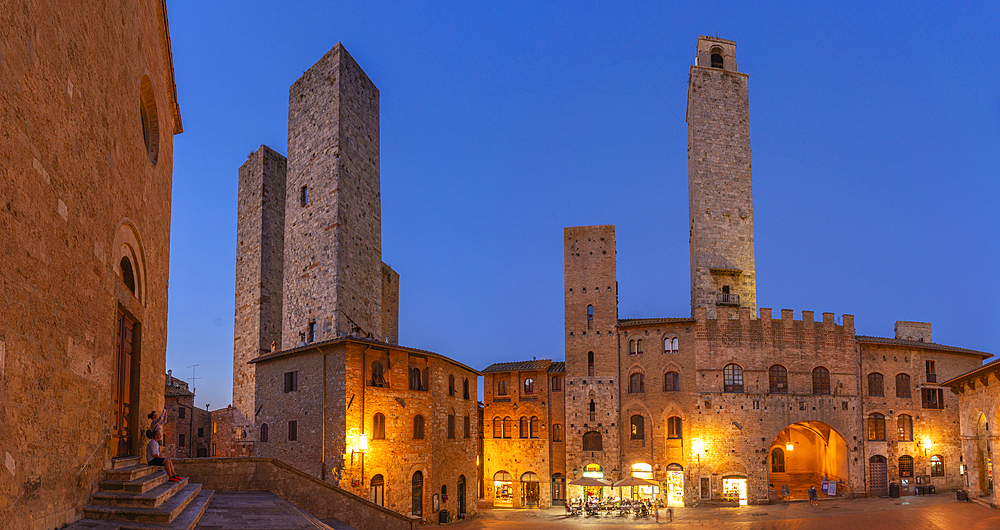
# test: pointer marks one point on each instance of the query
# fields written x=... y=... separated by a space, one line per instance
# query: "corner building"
x=735 y=405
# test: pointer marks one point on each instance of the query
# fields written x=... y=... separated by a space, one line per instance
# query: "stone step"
x=148 y=499
x=124 y=461
x=130 y=472
x=186 y=520
x=163 y=514
x=139 y=485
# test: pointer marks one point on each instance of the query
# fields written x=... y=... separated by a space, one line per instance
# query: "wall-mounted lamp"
x=927 y=445
x=362 y=447
x=698 y=446
x=789 y=446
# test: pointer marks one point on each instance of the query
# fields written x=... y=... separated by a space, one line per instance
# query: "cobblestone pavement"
x=937 y=512
x=257 y=510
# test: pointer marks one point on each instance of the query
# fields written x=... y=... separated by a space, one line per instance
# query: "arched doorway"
x=378 y=490
x=983 y=459
x=558 y=489
x=878 y=476
x=675 y=485
x=503 y=489
x=461 y=494
x=417 y=504
x=593 y=471
x=529 y=489
x=644 y=471
x=803 y=455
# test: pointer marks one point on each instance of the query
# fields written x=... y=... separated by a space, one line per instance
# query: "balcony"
x=724 y=298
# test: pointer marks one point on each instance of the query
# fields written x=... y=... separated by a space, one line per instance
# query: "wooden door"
x=878 y=470
x=124 y=366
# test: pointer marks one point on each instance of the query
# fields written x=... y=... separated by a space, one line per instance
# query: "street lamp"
x=789 y=446
x=361 y=448
x=927 y=445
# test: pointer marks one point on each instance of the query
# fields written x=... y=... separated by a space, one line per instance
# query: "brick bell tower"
x=591 y=295
x=719 y=185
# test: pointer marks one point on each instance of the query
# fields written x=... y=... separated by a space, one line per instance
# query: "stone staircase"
x=134 y=496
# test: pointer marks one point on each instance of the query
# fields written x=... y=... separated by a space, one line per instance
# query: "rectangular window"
x=201 y=432
x=756 y=404
x=180 y=413
x=933 y=398
x=556 y=384
x=180 y=440
x=451 y=426
x=215 y=427
x=213 y=449
x=311 y=332
x=931 y=373
x=468 y=427
x=303 y=195
x=293 y=431
x=291 y=381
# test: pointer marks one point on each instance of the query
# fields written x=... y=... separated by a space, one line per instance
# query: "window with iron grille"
x=875 y=384
x=902 y=385
x=732 y=376
x=876 y=427
x=906 y=466
x=777 y=377
x=821 y=380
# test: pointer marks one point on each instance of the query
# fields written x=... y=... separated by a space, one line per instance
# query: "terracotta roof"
x=519 y=366
x=918 y=344
x=557 y=368
x=644 y=321
x=331 y=342
x=175 y=387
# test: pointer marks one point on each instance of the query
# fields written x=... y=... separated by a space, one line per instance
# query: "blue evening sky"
x=875 y=129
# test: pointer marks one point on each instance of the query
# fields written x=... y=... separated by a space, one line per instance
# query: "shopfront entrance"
x=503 y=489
x=675 y=485
x=735 y=488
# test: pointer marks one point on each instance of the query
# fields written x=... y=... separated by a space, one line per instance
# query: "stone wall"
x=978 y=396
x=333 y=235
x=81 y=188
x=390 y=304
x=318 y=498
x=260 y=234
x=232 y=433
x=719 y=180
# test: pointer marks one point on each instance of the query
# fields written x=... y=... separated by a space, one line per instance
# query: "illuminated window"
x=937 y=466
x=777 y=377
x=777 y=460
x=638 y=427
x=906 y=466
x=821 y=380
x=875 y=387
x=876 y=427
x=732 y=376
x=904 y=426
x=674 y=427
x=378 y=427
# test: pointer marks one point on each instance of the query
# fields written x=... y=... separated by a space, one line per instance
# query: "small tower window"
x=304 y=195
x=716 y=58
x=590 y=363
x=127 y=275
x=590 y=316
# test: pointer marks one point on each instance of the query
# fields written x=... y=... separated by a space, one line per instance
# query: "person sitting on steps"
x=153 y=455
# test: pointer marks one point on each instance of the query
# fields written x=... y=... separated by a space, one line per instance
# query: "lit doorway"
x=643 y=471
x=503 y=489
x=675 y=485
x=529 y=489
x=805 y=454
x=735 y=488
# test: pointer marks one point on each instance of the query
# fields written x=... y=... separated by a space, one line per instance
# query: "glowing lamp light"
x=698 y=446
x=363 y=442
x=927 y=443
x=789 y=446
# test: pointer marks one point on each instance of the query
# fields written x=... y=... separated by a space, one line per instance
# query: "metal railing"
x=99 y=444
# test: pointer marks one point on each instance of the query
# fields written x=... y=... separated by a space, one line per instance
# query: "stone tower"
x=260 y=235
x=591 y=294
x=333 y=231
x=719 y=184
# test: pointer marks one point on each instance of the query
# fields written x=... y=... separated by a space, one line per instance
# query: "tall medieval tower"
x=592 y=378
x=333 y=218
x=719 y=185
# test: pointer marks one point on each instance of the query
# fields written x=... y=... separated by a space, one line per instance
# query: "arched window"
x=263 y=432
x=636 y=385
x=670 y=345
x=378 y=375
x=592 y=441
x=674 y=427
x=416 y=381
x=821 y=380
x=465 y=388
x=732 y=376
x=533 y=427
x=451 y=424
x=590 y=316
x=417 y=504
x=593 y=410
x=501 y=387
x=557 y=432
x=128 y=276
x=635 y=346
x=418 y=427
x=876 y=427
x=497 y=427
x=903 y=385
x=904 y=427
x=875 y=387
x=378 y=490
x=508 y=427
x=523 y=427
x=529 y=386
x=671 y=382
x=378 y=427
x=905 y=466
x=638 y=424
x=717 y=58
x=451 y=385
x=590 y=363
x=777 y=460
x=937 y=466
x=777 y=376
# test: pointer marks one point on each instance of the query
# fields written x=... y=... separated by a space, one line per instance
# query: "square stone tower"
x=260 y=236
x=591 y=294
x=333 y=229
x=719 y=184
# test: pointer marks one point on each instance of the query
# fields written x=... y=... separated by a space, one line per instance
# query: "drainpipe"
x=322 y=444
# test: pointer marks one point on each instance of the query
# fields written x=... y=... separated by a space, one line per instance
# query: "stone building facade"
x=525 y=447
x=85 y=191
x=231 y=433
x=731 y=403
x=978 y=395
x=186 y=433
x=396 y=425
